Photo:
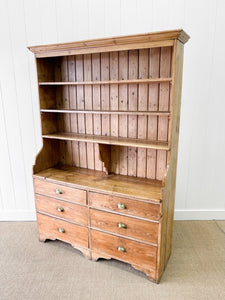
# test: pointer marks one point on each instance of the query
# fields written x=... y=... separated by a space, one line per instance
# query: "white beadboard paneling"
x=201 y=160
x=112 y=18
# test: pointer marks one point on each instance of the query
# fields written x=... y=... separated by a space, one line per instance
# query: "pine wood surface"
x=133 y=208
x=69 y=211
x=136 y=253
x=139 y=229
x=66 y=193
x=144 y=189
x=110 y=112
x=143 y=143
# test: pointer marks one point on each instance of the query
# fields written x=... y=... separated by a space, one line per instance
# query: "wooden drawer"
x=74 y=234
x=135 y=253
x=62 y=209
x=60 y=191
x=132 y=207
x=127 y=226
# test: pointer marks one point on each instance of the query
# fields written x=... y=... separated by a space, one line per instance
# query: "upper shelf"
x=120 y=141
x=128 y=81
x=107 y=112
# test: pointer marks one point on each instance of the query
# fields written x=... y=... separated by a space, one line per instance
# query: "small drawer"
x=124 y=249
x=62 y=209
x=57 y=229
x=60 y=191
x=127 y=226
x=125 y=206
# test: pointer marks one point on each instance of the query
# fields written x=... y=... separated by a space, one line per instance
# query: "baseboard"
x=30 y=215
x=18 y=215
x=199 y=214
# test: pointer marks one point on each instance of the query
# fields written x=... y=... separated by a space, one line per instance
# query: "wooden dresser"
x=105 y=178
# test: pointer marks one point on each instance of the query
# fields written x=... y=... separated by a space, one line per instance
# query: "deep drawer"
x=125 y=206
x=62 y=209
x=57 y=229
x=60 y=191
x=124 y=249
x=127 y=226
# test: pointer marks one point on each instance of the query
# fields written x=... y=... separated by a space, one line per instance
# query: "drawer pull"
x=121 y=249
x=60 y=208
x=121 y=206
x=58 y=191
x=122 y=225
x=61 y=230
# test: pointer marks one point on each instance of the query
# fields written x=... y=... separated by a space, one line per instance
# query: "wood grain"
x=71 y=212
x=48 y=227
x=134 y=208
x=138 y=229
x=67 y=193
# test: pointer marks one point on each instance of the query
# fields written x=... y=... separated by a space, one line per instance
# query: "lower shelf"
x=132 y=187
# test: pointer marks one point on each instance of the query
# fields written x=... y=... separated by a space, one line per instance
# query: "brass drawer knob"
x=121 y=249
x=121 y=206
x=60 y=208
x=121 y=225
x=61 y=230
x=58 y=191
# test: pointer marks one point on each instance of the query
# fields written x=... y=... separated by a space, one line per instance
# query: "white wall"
x=200 y=190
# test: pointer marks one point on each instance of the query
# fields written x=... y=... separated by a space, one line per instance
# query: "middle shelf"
x=120 y=141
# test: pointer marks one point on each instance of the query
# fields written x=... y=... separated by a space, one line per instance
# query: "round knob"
x=58 y=191
x=61 y=230
x=121 y=206
x=121 y=249
x=59 y=208
x=122 y=225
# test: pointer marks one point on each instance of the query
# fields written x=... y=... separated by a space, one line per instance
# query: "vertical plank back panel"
x=66 y=105
x=132 y=106
x=154 y=60
x=113 y=104
x=142 y=106
x=96 y=76
x=123 y=104
x=73 y=105
x=89 y=106
x=80 y=105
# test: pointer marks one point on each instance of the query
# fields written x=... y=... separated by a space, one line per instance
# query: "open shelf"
x=127 y=81
x=134 y=187
x=107 y=112
x=120 y=141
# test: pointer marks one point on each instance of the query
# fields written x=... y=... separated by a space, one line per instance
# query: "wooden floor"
x=133 y=187
x=54 y=270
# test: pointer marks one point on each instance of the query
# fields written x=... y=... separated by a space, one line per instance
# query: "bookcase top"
x=155 y=39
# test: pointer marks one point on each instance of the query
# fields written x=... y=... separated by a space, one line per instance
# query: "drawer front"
x=60 y=191
x=126 y=206
x=127 y=226
x=62 y=209
x=135 y=253
x=70 y=233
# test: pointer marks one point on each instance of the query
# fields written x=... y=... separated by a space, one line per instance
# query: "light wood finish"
x=60 y=191
x=131 y=187
x=148 y=40
x=105 y=112
x=143 y=143
x=133 y=208
x=110 y=112
x=49 y=229
x=135 y=253
x=62 y=209
x=104 y=82
x=137 y=229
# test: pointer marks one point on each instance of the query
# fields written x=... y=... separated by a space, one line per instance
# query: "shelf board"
x=120 y=141
x=120 y=185
x=107 y=112
x=128 y=81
